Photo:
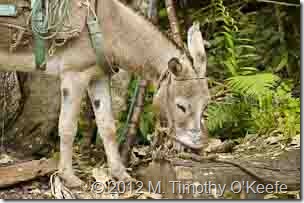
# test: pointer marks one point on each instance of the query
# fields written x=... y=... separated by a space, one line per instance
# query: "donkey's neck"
x=130 y=41
x=133 y=42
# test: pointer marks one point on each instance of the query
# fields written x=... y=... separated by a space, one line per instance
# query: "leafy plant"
x=253 y=52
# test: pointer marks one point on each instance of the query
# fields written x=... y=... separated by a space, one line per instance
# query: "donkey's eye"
x=205 y=108
x=181 y=107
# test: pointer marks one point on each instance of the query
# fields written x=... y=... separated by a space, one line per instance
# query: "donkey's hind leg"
x=99 y=92
x=72 y=90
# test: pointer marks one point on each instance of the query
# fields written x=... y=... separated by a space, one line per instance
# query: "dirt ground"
x=149 y=172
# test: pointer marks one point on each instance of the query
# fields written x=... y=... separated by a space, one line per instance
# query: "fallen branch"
x=249 y=167
x=279 y=3
x=11 y=175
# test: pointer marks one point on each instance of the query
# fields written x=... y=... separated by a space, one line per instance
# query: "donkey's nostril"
x=181 y=107
x=195 y=130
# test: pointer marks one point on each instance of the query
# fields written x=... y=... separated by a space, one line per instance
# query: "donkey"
x=134 y=44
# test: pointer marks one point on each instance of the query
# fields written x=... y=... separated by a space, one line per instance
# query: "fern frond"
x=256 y=86
x=220 y=114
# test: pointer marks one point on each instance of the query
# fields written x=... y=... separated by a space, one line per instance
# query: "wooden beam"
x=11 y=175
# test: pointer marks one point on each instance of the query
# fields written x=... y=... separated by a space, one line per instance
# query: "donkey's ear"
x=196 y=48
x=174 y=66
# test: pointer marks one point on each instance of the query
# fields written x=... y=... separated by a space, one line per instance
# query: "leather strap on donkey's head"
x=183 y=93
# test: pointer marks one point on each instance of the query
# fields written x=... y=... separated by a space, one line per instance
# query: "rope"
x=59 y=191
x=57 y=12
x=90 y=8
x=185 y=79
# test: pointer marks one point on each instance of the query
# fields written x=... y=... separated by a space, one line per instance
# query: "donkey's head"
x=183 y=93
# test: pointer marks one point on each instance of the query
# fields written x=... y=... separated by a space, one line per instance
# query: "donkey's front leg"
x=99 y=92
x=72 y=89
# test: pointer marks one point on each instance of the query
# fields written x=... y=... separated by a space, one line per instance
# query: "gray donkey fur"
x=134 y=44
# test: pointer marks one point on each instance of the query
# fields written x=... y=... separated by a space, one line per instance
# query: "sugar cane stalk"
x=137 y=102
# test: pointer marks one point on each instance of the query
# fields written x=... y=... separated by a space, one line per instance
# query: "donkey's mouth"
x=190 y=138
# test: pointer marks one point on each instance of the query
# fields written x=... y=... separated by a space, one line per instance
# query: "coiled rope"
x=57 y=13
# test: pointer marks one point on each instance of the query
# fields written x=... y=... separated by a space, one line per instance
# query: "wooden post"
x=174 y=24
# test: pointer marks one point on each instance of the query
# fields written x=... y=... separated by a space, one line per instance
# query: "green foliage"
x=226 y=36
x=222 y=115
x=282 y=115
x=147 y=118
x=124 y=114
x=259 y=100
x=258 y=86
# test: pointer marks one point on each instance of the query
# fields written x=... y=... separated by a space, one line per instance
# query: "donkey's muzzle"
x=191 y=138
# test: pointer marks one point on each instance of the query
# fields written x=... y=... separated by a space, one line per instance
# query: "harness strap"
x=97 y=38
x=40 y=50
x=97 y=43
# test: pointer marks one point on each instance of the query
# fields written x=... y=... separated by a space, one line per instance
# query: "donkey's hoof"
x=120 y=173
x=70 y=180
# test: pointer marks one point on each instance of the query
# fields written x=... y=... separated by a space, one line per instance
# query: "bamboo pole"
x=138 y=99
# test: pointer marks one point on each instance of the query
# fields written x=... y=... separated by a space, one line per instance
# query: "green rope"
x=53 y=18
x=131 y=108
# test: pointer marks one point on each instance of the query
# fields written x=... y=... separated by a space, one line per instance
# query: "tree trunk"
x=31 y=113
x=174 y=24
x=10 y=100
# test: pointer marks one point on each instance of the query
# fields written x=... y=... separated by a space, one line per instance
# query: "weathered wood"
x=174 y=24
x=21 y=172
x=285 y=170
